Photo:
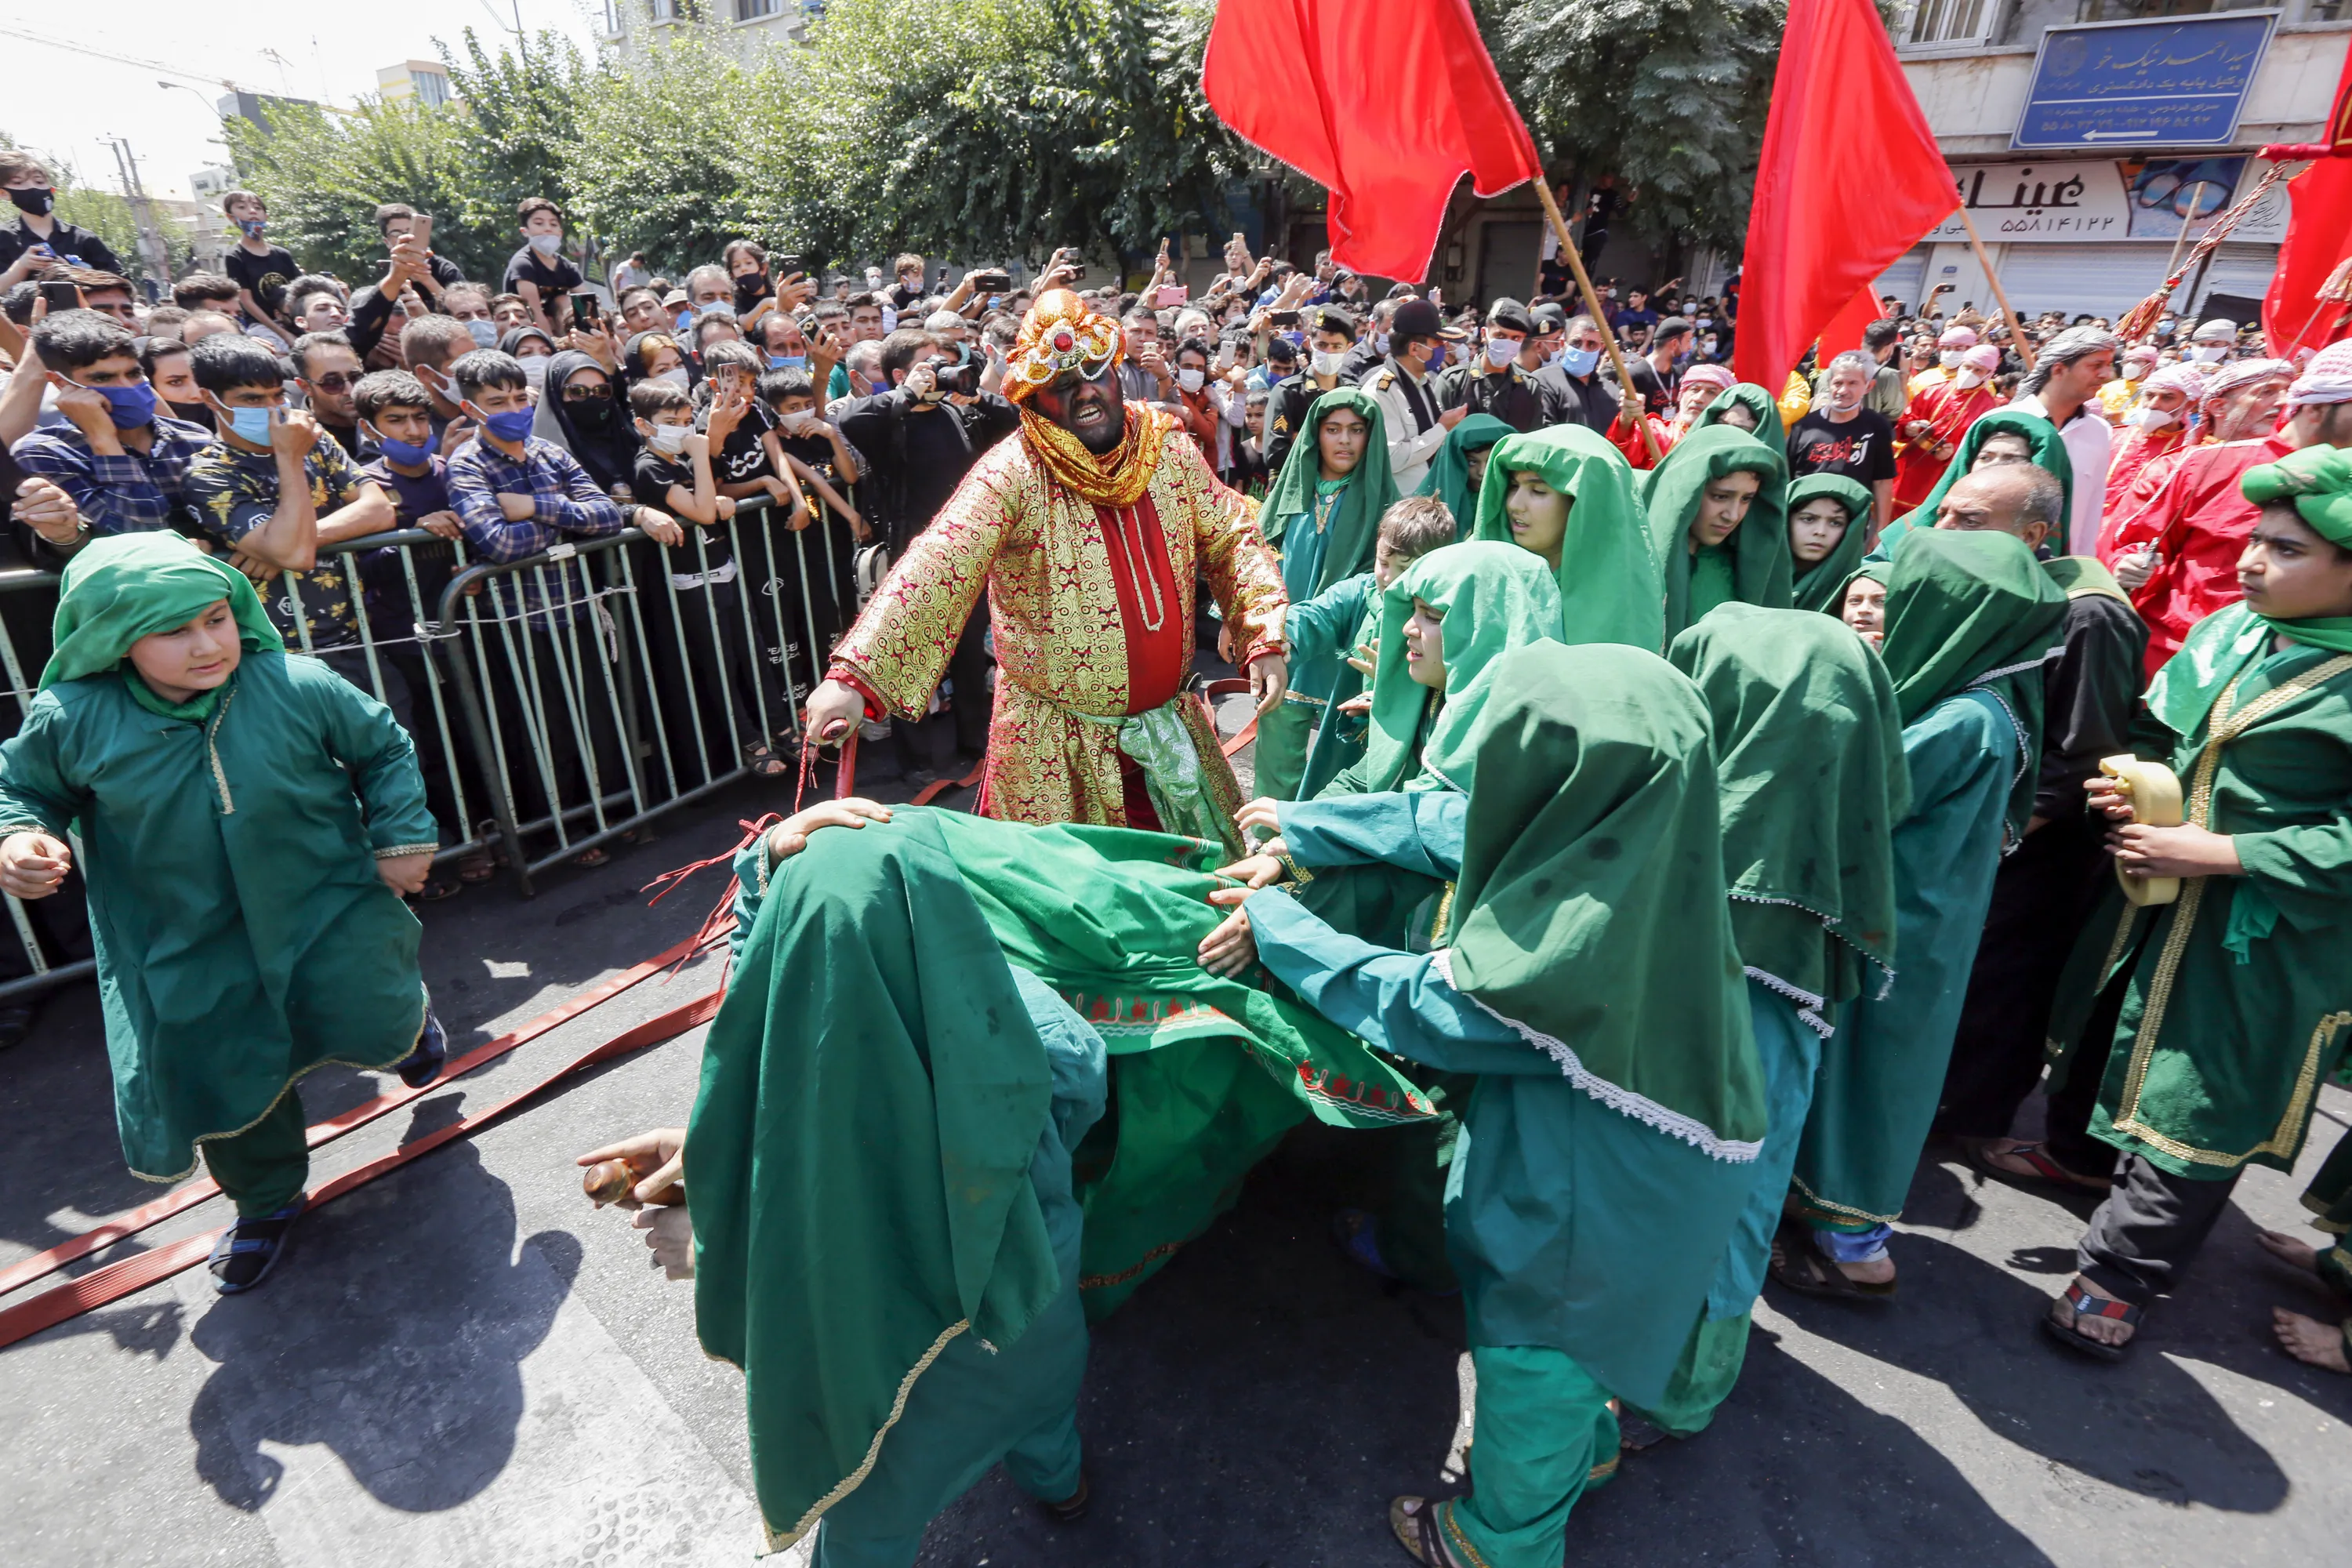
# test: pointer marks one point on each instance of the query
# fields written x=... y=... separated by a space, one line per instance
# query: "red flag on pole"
x=1385 y=103
x=2319 y=236
x=1850 y=179
x=1844 y=329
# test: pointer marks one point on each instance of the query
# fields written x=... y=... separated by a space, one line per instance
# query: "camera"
x=992 y=280
x=957 y=380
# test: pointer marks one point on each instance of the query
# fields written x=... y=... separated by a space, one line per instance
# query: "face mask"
x=36 y=201
x=534 y=370
x=1327 y=364
x=2150 y=418
x=1191 y=380
x=2135 y=370
x=194 y=413
x=484 y=334
x=1436 y=356
x=1380 y=343
x=683 y=320
x=1579 y=362
x=247 y=425
x=594 y=416
x=398 y=451
x=2213 y=354
x=1950 y=358
x=675 y=376
x=129 y=406
x=510 y=427
x=669 y=440
x=1501 y=351
x=1969 y=378
x=788 y=361
x=1296 y=339
x=1705 y=322
x=545 y=244
x=253 y=227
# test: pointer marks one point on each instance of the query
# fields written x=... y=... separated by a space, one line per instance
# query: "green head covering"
x=1752 y=566
x=1354 y=525
x=1608 y=580
x=1449 y=477
x=1757 y=400
x=1593 y=896
x=1973 y=611
x=2048 y=452
x=1809 y=757
x=1496 y=597
x=1822 y=586
x=130 y=585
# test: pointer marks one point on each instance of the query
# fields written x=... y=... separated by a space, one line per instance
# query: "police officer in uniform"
x=1498 y=382
x=1405 y=381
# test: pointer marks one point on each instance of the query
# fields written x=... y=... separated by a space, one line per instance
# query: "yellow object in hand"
x=2153 y=791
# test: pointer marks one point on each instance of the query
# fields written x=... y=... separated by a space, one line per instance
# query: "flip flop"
x=2047 y=1171
x=1799 y=1264
x=2077 y=1304
x=1413 y=1521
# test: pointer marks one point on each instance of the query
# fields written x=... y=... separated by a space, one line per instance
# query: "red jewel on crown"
x=1064 y=341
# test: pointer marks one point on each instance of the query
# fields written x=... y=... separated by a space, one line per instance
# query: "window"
x=432 y=88
x=1951 y=22
x=611 y=18
x=753 y=10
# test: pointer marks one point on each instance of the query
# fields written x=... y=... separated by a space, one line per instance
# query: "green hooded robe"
x=2049 y=452
x=1757 y=400
x=1822 y=586
x=1751 y=566
x=1449 y=476
x=1326 y=531
x=229 y=845
x=1970 y=618
x=1609 y=588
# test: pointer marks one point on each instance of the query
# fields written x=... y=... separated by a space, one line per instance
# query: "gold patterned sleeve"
x=899 y=646
x=1242 y=572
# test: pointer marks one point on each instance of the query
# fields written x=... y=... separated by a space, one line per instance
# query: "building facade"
x=631 y=26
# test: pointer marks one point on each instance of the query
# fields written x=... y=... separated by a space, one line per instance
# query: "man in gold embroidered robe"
x=1086 y=532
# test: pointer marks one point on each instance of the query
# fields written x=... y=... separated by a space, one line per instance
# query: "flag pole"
x=1593 y=309
x=2016 y=327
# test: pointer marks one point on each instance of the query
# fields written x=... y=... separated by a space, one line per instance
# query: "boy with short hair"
x=247 y=822
x=124 y=465
x=260 y=270
x=538 y=272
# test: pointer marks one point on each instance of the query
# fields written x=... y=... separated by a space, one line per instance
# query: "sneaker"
x=248 y=1250
x=423 y=1065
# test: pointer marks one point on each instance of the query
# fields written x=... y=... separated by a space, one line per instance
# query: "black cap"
x=1548 y=317
x=1331 y=319
x=1418 y=319
x=1668 y=326
x=1512 y=316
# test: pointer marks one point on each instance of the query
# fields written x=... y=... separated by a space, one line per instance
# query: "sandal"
x=1353 y=1232
x=248 y=1250
x=1073 y=1508
x=2046 y=1173
x=436 y=889
x=2078 y=1303
x=1414 y=1522
x=423 y=1065
x=1802 y=1268
x=477 y=867
x=762 y=761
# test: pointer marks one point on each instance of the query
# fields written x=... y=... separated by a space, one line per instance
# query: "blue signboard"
x=2172 y=81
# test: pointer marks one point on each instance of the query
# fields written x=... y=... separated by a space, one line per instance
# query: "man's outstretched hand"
x=1269 y=678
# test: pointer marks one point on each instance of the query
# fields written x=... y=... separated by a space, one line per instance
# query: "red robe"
x=1951 y=412
x=2198 y=521
x=2132 y=457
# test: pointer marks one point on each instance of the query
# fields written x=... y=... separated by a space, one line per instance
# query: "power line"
x=122 y=59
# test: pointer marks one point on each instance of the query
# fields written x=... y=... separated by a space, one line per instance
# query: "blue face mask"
x=685 y=320
x=514 y=427
x=1579 y=362
x=401 y=452
x=788 y=361
x=129 y=406
x=484 y=334
x=248 y=425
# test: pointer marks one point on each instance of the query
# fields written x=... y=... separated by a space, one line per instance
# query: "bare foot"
x=2105 y=1331
x=2309 y=1340
x=2289 y=1249
x=1877 y=1272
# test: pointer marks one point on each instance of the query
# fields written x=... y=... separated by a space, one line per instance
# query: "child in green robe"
x=1323 y=516
x=2216 y=1015
x=1567 y=495
x=1590 y=982
x=1718 y=528
x=248 y=821
x=1459 y=473
x=1829 y=527
x=1968 y=617
x=1328 y=632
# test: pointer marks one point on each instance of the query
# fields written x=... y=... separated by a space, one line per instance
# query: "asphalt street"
x=462 y=1364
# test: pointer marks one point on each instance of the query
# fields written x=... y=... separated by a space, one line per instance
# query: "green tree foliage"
x=1667 y=95
x=665 y=160
x=518 y=122
x=106 y=213
x=324 y=173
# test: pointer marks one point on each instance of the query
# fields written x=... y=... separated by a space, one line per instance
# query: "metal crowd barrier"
x=559 y=703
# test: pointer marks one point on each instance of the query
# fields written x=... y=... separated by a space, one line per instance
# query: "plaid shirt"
x=127 y=494
x=566 y=502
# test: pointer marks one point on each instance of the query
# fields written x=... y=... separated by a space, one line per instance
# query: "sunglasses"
x=586 y=393
x=338 y=383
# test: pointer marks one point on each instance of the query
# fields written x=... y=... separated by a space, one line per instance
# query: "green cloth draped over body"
x=1449 y=476
x=1751 y=566
x=1349 y=534
x=1494 y=597
x=1968 y=617
x=1809 y=754
x=1758 y=402
x=1822 y=586
x=229 y=846
x=2232 y=1016
x=2046 y=451
x=1162 y=746
x=1972 y=610
x=1609 y=586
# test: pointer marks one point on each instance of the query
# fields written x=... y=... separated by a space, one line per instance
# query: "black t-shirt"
x=920 y=456
x=1658 y=391
x=77 y=246
x=1861 y=449
x=549 y=277
x=741 y=457
x=651 y=481
x=263 y=277
x=901 y=297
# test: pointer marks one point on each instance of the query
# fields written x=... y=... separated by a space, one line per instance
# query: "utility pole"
x=142 y=211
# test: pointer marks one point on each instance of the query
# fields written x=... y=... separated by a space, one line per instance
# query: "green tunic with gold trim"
x=2239 y=995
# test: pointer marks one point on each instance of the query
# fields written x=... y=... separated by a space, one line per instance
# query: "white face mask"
x=534 y=370
x=669 y=440
x=676 y=377
x=2213 y=354
x=2147 y=416
x=1191 y=380
x=545 y=244
x=1501 y=351
x=1951 y=358
x=2135 y=370
x=1969 y=378
x=484 y=334
x=1327 y=364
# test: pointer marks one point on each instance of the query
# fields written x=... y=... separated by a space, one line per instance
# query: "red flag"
x=1385 y=103
x=2319 y=237
x=1850 y=179
x=1843 y=330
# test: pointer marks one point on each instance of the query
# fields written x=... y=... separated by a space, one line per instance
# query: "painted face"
x=1094 y=411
